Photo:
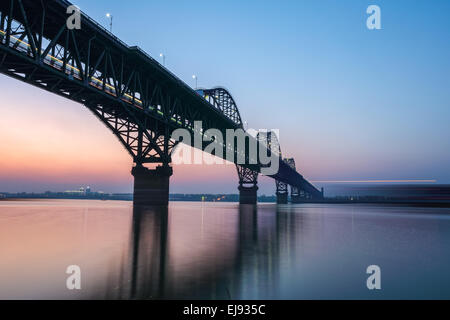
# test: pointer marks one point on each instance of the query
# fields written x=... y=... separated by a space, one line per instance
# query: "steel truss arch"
x=222 y=100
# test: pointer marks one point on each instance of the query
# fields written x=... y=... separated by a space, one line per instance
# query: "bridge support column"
x=151 y=187
x=296 y=199
x=248 y=185
x=297 y=196
x=282 y=198
x=248 y=195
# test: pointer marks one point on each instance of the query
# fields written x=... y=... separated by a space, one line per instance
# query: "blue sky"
x=350 y=103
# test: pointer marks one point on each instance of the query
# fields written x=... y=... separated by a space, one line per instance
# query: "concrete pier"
x=282 y=198
x=151 y=186
x=248 y=195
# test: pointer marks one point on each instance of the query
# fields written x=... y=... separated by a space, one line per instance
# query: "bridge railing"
x=141 y=52
x=137 y=48
x=87 y=17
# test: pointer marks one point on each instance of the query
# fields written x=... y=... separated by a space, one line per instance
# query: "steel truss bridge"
x=139 y=100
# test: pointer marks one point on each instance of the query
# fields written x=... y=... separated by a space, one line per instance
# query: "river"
x=194 y=250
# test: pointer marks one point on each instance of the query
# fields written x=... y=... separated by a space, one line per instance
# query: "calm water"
x=221 y=251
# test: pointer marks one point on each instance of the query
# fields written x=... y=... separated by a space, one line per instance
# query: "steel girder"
x=108 y=78
x=247 y=177
x=270 y=139
x=221 y=98
x=136 y=97
x=295 y=192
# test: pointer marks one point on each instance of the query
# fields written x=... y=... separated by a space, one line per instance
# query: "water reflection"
x=149 y=252
x=160 y=270
x=221 y=251
x=245 y=265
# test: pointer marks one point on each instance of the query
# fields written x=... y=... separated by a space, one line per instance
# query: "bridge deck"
x=117 y=82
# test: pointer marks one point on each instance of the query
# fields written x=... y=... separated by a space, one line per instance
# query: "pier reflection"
x=148 y=252
x=173 y=256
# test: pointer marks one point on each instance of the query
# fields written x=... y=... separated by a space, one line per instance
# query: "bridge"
x=138 y=99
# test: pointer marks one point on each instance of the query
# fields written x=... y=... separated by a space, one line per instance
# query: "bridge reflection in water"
x=221 y=250
x=171 y=260
x=186 y=250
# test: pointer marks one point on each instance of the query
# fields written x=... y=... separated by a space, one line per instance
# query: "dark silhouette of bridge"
x=138 y=99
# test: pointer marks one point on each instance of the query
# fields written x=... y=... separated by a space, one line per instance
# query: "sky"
x=350 y=103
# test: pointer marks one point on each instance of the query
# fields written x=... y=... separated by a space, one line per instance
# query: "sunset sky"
x=351 y=104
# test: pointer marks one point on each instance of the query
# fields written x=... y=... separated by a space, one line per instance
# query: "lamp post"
x=109 y=16
x=196 y=81
x=163 y=56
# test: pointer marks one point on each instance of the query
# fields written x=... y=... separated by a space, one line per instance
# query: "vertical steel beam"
x=10 y=18
x=28 y=30
x=87 y=65
x=66 y=51
x=77 y=53
x=2 y=24
x=41 y=34
x=105 y=70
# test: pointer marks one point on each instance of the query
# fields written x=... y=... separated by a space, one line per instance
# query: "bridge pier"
x=282 y=192
x=282 y=198
x=296 y=198
x=142 y=120
x=151 y=186
x=248 y=195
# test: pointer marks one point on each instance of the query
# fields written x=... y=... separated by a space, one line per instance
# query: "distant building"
x=80 y=192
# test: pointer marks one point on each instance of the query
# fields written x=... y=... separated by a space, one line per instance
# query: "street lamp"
x=196 y=81
x=163 y=56
x=109 y=16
